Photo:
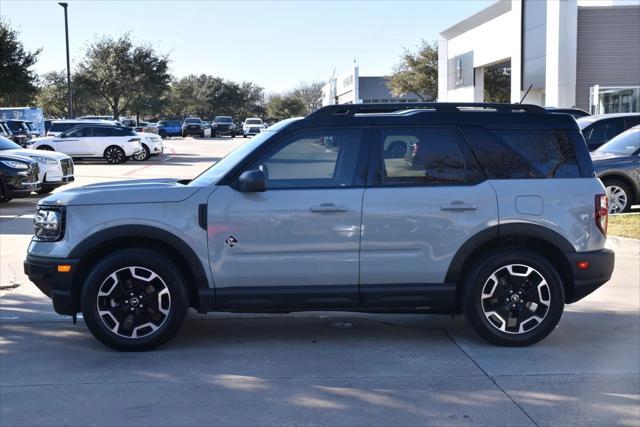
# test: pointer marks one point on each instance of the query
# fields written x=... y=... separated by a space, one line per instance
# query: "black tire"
x=619 y=194
x=524 y=295
x=145 y=155
x=244 y=136
x=46 y=189
x=115 y=320
x=114 y=155
x=214 y=135
x=45 y=148
x=202 y=135
x=5 y=195
x=162 y=134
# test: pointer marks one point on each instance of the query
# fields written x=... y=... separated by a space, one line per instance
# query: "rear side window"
x=117 y=131
x=426 y=156
x=61 y=127
x=549 y=153
x=602 y=131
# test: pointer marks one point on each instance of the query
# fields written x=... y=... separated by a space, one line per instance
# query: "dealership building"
x=351 y=88
x=565 y=53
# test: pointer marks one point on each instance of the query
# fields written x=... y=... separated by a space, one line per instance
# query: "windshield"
x=7 y=144
x=31 y=125
x=193 y=121
x=222 y=119
x=626 y=144
x=253 y=122
x=218 y=170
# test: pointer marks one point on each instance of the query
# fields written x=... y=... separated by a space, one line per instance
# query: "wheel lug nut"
x=126 y=302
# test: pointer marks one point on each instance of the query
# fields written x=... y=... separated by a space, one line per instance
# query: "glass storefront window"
x=604 y=100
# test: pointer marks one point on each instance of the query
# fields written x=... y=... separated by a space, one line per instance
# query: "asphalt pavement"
x=310 y=368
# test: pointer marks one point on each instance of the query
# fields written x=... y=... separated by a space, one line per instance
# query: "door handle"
x=329 y=207
x=459 y=206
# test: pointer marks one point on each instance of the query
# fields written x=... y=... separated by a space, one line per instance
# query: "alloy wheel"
x=114 y=155
x=133 y=302
x=515 y=299
x=617 y=199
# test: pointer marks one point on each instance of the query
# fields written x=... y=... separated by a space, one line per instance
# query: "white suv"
x=252 y=126
x=115 y=143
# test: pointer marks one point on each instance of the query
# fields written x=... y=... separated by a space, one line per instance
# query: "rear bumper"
x=598 y=273
x=43 y=272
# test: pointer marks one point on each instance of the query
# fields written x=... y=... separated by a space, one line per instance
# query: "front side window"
x=603 y=131
x=61 y=127
x=77 y=132
x=425 y=156
x=325 y=158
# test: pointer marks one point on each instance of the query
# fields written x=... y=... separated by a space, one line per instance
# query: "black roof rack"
x=443 y=107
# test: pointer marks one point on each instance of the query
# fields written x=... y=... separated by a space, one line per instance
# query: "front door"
x=427 y=197
x=297 y=243
x=71 y=142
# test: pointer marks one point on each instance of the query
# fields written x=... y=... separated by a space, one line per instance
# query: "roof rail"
x=443 y=107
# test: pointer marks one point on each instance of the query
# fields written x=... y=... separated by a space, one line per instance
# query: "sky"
x=276 y=44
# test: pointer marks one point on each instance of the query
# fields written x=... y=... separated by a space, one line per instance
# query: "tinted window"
x=120 y=131
x=61 y=127
x=101 y=132
x=627 y=143
x=549 y=153
x=76 y=132
x=222 y=119
x=312 y=159
x=602 y=131
x=15 y=126
x=196 y=121
x=427 y=156
x=253 y=122
x=631 y=121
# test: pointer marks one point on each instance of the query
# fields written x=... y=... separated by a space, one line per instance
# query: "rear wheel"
x=134 y=300
x=513 y=297
x=114 y=155
x=618 y=194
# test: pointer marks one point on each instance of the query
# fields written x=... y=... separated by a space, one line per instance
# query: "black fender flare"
x=503 y=231
x=145 y=231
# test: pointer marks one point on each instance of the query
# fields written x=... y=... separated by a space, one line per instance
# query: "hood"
x=123 y=192
x=42 y=138
x=15 y=157
x=598 y=156
x=42 y=153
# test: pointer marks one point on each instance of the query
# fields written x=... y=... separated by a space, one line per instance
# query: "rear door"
x=425 y=197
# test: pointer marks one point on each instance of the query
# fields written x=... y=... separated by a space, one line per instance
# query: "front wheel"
x=134 y=300
x=46 y=189
x=144 y=155
x=115 y=155
x=513 y=297
x=619 y=196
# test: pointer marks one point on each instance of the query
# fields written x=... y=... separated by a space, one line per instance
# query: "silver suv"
x=491 y=210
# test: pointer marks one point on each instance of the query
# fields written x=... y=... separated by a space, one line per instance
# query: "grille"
x=34 y=171
x=254 y=129
x=67 y=167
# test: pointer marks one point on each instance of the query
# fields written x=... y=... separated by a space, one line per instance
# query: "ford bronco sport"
x=491 y=210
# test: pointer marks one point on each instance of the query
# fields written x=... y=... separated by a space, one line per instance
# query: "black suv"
x=18 y=177
x=223 y=125
x=192 y=126
x=22 y=131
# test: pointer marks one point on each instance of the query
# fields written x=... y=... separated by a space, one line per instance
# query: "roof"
x=498 y=8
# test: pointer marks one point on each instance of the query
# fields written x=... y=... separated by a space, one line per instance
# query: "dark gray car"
x=600 y=129
x=617 y=164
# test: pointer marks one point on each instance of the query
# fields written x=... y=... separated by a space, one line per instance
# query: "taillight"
x=602 y=212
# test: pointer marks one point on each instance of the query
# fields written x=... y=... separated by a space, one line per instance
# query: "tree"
x=52 y=95
x=417 y=73
x=310 y=94
x=124 y=75
x=17 y=80
x=282 y=107
x=497 y=83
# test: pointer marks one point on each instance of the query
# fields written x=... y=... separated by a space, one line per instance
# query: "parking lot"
x=309 y=368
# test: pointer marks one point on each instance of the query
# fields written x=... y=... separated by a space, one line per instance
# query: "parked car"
x=167 y=128
x=54 y=169
x=109 y=118
x=505 y=223
x=28 y=114
x=599 y=129
x=151 y=146
x=59 y=126
x=128 y=122
x=21 y=131
x=575 y=112
x=617 y=164
x=252 y=126
x=192 y=126
x=223 y=125
x=18 y=177
x=114 y=143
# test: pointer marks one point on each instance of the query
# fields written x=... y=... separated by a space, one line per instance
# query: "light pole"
x=66 y=33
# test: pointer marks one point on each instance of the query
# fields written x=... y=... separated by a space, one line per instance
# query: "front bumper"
x=192 y=131
x=43 y=272
x=585 y=281
x=224 y=131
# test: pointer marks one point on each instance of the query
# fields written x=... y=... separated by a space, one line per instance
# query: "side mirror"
x=252 y=181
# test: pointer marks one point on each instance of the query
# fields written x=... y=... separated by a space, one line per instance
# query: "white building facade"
x=564 y=53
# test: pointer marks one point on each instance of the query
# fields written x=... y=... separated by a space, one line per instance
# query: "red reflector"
x=583 y=265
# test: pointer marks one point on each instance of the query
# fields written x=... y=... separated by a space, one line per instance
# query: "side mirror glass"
x=252 y=181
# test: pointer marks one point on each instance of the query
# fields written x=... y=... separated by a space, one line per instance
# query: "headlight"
x=15 y=165
x=151 y=138
x=49 y=224
x=232 y=126
x=46 y=160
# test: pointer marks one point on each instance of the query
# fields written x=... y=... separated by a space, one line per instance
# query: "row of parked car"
x=220 y=126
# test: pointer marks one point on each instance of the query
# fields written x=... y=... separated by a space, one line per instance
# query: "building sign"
x=460 y=71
